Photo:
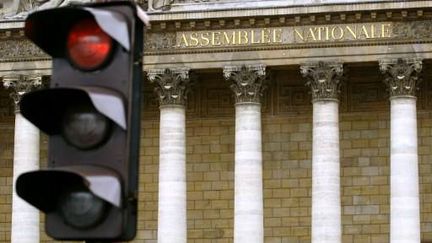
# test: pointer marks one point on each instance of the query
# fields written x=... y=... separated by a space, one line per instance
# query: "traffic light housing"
x=91 y=114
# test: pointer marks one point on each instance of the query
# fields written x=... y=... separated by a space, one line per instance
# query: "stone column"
x=172 y=86
x=25 y=218
x=324 y=79
x=401 y=78
x=247 y=83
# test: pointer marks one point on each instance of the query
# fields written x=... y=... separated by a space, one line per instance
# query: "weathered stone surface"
x=248 y=198
x=26 y=158
x=171 y=85
x=20 y=85
x=404 y=179
x=324 y=79
x=401 y=75
x=247 y=82
x=20 y=49
x=286 y=115
x=172 y=175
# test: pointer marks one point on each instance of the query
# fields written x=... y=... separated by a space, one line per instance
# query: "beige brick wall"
x=6 y=158
x=287 y=178
x=364 y=127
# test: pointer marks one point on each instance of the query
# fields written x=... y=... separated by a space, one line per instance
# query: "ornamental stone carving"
x=248 y=82
x=20 y=85
x=401 y=75
x=414 y=29
x=21 y=8
x=154 y=5
x=16 y=50
x=164 y=5
x=324 y=79
x=171 y=85
x=160 y=41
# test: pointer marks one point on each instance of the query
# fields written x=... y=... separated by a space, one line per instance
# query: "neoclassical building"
x=277 y=121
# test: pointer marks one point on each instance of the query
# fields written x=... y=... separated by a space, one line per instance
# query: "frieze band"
x=286 y=36
x=11 y=50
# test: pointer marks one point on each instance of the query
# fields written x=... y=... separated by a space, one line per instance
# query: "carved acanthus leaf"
x=20 y=85
x=20 y=49
x=247 y=82
x=401 y=75
x=171 y=85
x=324 y=79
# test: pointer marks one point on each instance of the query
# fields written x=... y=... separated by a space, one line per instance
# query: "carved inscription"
x=230 y=38
x=343 y=32
x=284 y=35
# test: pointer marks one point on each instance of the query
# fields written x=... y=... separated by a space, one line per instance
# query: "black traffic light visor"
x=42 y=188
x=49 y=28
x=46 y=108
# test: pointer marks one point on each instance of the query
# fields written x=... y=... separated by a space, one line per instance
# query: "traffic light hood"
x=49 y=28
x=43 y=188
x=46 y=108
x=91 y=114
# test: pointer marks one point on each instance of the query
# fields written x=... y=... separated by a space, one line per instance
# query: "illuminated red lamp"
x=88 y=46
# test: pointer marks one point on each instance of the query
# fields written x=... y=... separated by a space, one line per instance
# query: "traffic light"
x=91 y=114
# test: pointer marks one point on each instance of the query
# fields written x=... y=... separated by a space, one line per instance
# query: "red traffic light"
x=88 y=46
x=90 y=113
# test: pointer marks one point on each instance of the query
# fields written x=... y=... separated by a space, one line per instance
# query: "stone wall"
x=6 y=158
x=287 y=134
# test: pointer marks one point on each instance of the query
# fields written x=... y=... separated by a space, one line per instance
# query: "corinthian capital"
x=20 y=85
x=401 y=75
x=247 y=82
x=324 y=79
x=172 y=85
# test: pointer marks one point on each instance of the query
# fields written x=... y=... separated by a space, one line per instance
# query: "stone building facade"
x=284 y=122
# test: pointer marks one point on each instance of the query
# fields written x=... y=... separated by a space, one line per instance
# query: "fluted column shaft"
x=247 y=85
x=401 y=79
x=171 y=87
x=248 y=205
x=324 y=81
x=172 y=175
x=25 y=218
x=326 y=204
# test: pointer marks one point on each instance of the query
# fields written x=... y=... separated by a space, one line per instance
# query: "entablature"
x=277 y=35
x=353 y=35
x=203 y=10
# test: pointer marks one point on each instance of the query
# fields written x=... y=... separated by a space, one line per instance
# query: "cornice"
x=282 y=10
x=292 y=19
x=11 y=24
